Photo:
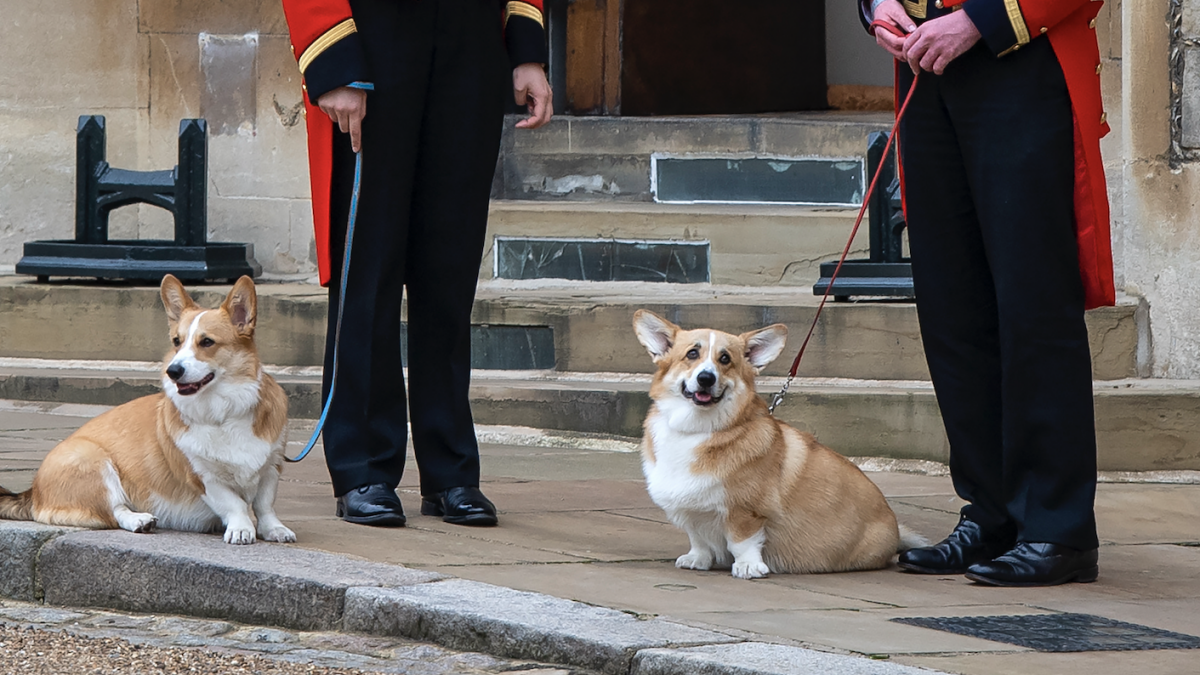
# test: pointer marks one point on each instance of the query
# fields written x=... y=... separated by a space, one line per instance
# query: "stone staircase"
x=566 y=268
x=862 y=387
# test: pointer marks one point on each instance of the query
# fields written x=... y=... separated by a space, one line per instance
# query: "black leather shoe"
x=966 y=545
x=1033 y=564
x=460 y=506
x=371 y=505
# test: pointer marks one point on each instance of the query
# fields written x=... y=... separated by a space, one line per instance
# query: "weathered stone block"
x=836 y=135
x=474 y=616
x=200 y=575
x=758 y=658
x=20 y=543
x=224 y=16
x=645 y=135
x=1191 y=97
x=1191 y=19
x=77 y=54
x=37 y=169
x=577 y=176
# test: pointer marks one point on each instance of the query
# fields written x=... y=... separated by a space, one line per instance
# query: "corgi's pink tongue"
x=193 y=387
x=702 y=397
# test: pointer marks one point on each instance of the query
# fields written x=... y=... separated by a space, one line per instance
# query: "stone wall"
x=144 y=65
x=1158 y=223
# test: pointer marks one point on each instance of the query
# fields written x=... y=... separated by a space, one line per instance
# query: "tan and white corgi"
x=198 y=456
x=751 y=492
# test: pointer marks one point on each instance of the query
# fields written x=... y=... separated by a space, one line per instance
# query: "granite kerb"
x=469 y=615
x=200 y=575
x=287 y=586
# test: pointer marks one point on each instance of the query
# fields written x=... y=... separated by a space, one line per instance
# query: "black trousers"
x=431 y=137
x=987 y=151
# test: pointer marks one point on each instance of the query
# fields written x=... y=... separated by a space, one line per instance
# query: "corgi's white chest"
x=228 y=452
x=670 y=479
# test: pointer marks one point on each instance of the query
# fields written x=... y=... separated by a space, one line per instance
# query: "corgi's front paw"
x=694 y=561
x=239 y=535
x=280 y=534
x=141 y=523
x=750 y=570
x=147 y=524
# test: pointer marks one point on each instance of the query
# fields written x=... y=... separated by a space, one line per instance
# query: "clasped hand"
x=933 y=45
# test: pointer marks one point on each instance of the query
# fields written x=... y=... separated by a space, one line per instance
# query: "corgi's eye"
x=206 y=342
x=175 y=340
x=725 y=359
x=693 y=354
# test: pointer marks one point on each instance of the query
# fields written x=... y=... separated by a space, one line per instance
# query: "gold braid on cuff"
x=523 y=9
x=328 y=39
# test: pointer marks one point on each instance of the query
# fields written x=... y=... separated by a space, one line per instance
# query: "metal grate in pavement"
x=1059 y=632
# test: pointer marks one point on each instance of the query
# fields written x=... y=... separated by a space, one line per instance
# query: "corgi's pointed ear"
x=174 y=298
x=763 y=345
x=655 y=333
x=242 y=306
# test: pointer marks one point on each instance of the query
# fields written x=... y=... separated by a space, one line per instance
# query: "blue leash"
x=337 y=333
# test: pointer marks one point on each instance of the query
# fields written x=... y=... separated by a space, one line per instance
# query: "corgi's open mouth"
x=189 y=388
x=700 y=398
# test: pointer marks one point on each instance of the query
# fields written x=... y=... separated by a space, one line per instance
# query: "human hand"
x=531 y=88
x=347 y=106
x=892 y=12
x=939 y=41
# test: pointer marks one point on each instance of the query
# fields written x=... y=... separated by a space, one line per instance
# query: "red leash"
x=866 y=198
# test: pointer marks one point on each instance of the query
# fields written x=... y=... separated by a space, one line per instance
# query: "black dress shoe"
x=1032 y=564
x=966 y=545
x=460 y=506
x=371 y=505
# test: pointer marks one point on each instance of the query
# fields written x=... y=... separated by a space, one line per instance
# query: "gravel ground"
x=40 y=640
x=33 y=651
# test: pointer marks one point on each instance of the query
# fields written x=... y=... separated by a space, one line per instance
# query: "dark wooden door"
x=697 y=57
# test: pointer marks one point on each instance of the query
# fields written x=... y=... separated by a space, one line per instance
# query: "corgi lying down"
x=751 y=492
x=198 y=456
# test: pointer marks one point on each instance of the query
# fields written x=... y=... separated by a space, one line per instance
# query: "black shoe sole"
x=1086 y=576
x=917 y=569
x=432 y=508
x=378 y=520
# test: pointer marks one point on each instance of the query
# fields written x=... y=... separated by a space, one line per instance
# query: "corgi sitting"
x=198 y=456
x=750 y=491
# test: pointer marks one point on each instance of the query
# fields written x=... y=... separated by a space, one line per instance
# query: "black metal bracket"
x=101 y=188
x=887 y=273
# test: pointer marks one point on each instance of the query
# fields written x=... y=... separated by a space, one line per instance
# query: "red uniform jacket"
x=326 y=45
x=1070 y=26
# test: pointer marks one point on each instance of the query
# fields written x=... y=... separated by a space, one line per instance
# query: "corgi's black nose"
x=706 y=378
x=174 y=371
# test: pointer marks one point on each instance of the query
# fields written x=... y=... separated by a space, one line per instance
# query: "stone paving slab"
x=758 y=658
x=1153 y=662
x=651 y=587
x=470 y=615
x=202 y=576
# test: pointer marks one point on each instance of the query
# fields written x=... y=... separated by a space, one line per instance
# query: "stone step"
x=587 y=325
x=744 y=245
x=1143 y=425
x=610 y=158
